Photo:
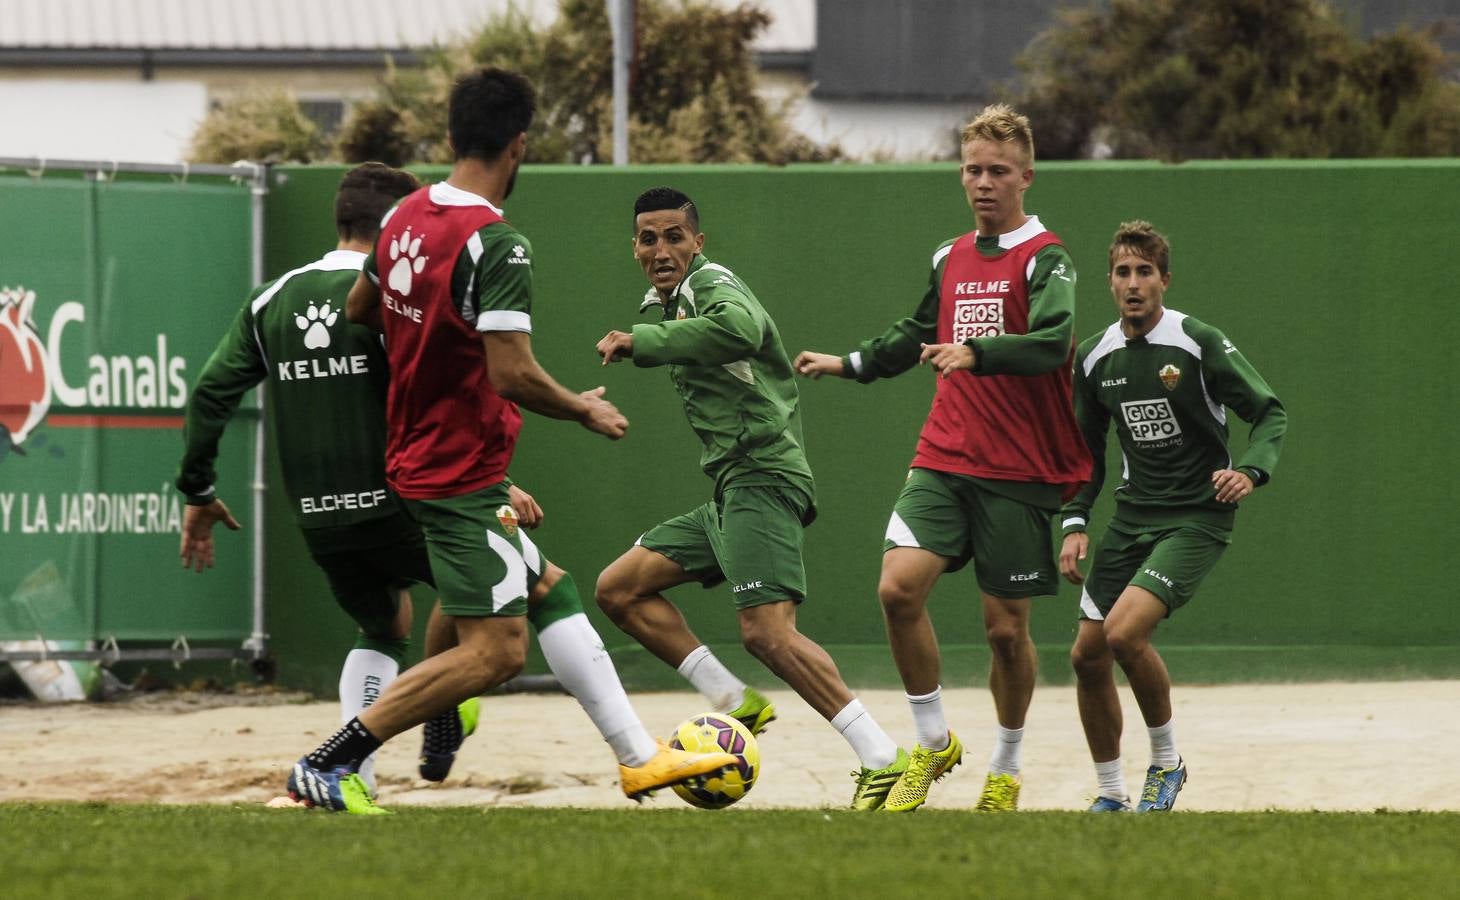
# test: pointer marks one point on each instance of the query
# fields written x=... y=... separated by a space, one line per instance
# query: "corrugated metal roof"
x=307 y=25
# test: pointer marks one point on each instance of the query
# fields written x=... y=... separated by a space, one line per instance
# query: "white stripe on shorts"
x=899 y=533
x=1088 y=607
x=513 y=585
x=531 y=555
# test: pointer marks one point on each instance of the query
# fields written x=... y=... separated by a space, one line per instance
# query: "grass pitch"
x=94 y=850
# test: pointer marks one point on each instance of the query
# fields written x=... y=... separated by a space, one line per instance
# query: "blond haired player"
x=998 y=454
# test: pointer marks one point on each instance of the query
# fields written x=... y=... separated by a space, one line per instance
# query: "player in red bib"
x=450 y=284
x=998 y=454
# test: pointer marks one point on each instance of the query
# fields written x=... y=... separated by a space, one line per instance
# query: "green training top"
x=726 y=362
x=1167 y=392
x=326 y=395
x=1045 y=346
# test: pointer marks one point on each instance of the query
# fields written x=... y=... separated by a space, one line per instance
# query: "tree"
x=694 y=97
x=1181 y=79
x=264 y=126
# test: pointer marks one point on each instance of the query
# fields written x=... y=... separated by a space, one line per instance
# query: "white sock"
x=710 y=677
x=1008 y=751
x=363 y=678
x=1111 y=779
x=1163 y=746
x=871 y=744
x=575 y=653
x=927 y=711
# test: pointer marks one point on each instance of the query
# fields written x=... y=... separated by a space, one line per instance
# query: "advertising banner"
x=113 y=293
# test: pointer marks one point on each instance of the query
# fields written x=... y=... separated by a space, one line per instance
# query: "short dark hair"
x=489 y=108
x=1145 y=241
x=657 y=198
x=366 y=193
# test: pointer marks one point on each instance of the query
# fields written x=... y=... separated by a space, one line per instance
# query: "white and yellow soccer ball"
x=716 y=733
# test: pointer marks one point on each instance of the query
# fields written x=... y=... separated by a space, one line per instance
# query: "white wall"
x=103 y=120
x=901 y=131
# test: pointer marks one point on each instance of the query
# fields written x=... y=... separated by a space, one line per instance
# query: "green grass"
x=96 y=850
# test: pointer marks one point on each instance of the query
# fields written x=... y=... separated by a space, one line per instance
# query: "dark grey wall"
x=921 y=49
x=961 y=49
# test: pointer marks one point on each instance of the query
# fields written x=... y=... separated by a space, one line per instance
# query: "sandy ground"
x=1327 y=746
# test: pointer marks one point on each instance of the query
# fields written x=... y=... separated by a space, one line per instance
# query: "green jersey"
x=1167 y=392
x=1045 y=345
x=326 y=380
x=728 y=366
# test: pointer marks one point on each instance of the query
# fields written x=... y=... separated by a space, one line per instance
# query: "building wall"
x=114 y=113
x=1331 y=277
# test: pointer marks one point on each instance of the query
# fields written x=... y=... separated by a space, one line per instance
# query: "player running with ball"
x=725 y=358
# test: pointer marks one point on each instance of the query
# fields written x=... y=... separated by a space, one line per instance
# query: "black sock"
x=347 y=747
x=443 y=733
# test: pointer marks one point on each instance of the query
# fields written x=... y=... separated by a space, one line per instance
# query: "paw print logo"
x=316 y=323
x=408 y=263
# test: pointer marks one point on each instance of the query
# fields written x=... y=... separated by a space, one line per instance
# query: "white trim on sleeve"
x=504 y=320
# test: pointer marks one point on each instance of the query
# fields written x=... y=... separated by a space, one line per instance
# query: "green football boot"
x=924 y=767
x=1000 y=793
x=755 y=711
x=873 y=785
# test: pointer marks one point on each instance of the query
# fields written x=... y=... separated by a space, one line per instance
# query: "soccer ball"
x=716 y=733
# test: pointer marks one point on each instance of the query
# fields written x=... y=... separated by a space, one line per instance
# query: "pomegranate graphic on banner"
x=25 y=394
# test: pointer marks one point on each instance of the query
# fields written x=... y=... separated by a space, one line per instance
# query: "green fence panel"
x=112 y=295
x=1333 y=278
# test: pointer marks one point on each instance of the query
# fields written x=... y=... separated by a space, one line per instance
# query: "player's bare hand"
x=947 y=358
x=1231 y=485
x=616 y=345
x=602 y=416
x=1072 y=553
x=196 y=549
x=814 y=365
x=529 y=514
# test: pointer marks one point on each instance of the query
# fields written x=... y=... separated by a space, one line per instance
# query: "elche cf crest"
x=1169 y=376
x=507 y=516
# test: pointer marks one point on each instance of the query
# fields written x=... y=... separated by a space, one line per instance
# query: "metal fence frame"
x=255 y=175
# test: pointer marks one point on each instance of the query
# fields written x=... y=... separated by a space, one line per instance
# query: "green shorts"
x=368 y=564
x=1169 y=560
x=751 y=538
x=960 y=518
x=483 y=562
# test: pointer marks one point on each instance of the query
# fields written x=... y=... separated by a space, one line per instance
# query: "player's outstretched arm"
x=616 y=346
x=814 y=365
x=517 y=376
x=363 y=305
x=196 y=549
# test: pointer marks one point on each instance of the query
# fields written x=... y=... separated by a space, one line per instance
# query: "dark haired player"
x=725 y=359
x=450 y=284
x=1164 y=378
x=319 y=368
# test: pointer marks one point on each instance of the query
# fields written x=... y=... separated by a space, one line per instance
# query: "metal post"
x=257 y=642
x=621 y=21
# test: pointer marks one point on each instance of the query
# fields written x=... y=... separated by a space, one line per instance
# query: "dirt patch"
x=1318 y=746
